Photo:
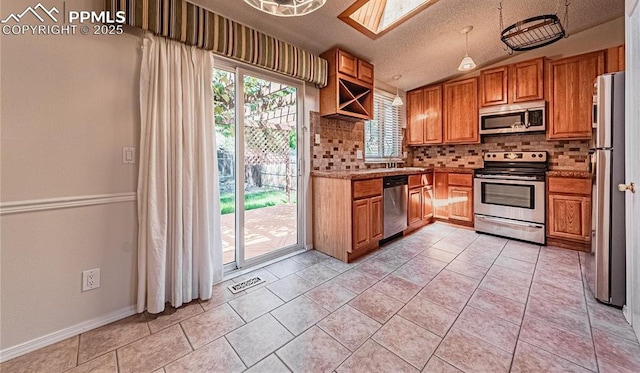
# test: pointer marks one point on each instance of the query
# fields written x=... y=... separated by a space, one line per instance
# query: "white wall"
x=632 y=160
x=606 y=35
x=70 y=103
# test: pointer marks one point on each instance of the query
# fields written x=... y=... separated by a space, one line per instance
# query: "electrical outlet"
x=358 y=154
x=91 y=279
x=317 y=139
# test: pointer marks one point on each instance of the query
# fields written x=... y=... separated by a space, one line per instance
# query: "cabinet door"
x=347 y=64
x=415 y=206
x=361 y=223
x=415 y=117
x=432 y=112
x=441 y=201
x=461 y=112
x=365 y=72
x=615 y=59
x=570 y=84
x=461 y=203
x=427 y=203
x=527 y=80
x=377 y=218
x=494 y=87
x=569 y=217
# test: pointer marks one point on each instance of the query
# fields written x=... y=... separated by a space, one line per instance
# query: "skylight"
x=374 y=18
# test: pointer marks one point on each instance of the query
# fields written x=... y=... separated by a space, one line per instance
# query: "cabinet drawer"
x=365 y=72
x=461 y=179
x=367 y=188
x=347 y=64
x=570 y=186
x=415 y=181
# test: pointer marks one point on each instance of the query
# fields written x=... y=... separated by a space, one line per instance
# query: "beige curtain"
x=179 y=237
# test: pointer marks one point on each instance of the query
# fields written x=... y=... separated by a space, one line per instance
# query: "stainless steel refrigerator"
x=606 y=265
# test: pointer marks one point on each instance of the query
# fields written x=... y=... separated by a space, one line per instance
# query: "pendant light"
x=287 y=8
x=467 y=62
x=398 y=100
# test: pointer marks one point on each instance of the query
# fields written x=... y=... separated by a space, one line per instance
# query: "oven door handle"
x=509 y=177
x=510 y=222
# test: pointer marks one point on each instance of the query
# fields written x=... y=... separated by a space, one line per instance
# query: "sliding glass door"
x=257 y=137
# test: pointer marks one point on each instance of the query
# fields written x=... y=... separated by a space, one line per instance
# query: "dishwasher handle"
x=394 y=181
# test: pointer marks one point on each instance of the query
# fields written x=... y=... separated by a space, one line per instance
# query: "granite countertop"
x=574 y=174
x=458 y=170
x=382 y=172
x=370 y=173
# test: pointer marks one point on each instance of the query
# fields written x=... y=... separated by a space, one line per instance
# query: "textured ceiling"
x=427 y=48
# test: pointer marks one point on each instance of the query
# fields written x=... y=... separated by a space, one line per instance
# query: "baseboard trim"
x=60 y=335
x=64 y=202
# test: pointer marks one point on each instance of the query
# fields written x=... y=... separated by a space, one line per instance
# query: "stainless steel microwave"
x=516 y=118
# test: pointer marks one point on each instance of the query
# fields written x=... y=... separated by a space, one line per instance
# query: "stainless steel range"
x=509 y=195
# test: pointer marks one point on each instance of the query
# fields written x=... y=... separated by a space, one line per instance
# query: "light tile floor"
x=443 y=299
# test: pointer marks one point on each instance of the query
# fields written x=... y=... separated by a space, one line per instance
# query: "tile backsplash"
x=341 y=139
x=570 y=155
x=339 y=142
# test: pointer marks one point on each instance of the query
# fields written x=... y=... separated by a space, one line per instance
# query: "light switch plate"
x=358 y=154
x=128 y=155
x=317 y=139
x=405 y=154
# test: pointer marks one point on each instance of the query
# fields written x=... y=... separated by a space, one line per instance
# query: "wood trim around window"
x=346 y=18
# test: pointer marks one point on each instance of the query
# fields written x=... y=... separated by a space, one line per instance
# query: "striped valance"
x=193 y=25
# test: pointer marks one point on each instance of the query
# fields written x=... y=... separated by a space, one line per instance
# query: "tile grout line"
x=586 y=304
x=562 y=329
x=524 y=312
x=467 y=305
x=423 y=287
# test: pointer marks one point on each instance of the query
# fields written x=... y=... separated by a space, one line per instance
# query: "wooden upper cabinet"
x=615 y=59
x=347 y=64
x=433 y=115
x=424 y=116
x=365 y=71
x=520 y=82
x=461 y=112
x=494 y=87
x=570 y=84
x=349 y=90
x=527 y=80
x=415 y=117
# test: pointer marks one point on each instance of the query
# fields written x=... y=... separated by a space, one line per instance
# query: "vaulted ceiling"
x=428 y=47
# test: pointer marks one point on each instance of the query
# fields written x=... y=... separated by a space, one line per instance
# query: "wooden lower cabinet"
x=569 y=213
x=570 y=217
x=420 y=201
x=461 y=203
x=415 y=207
x=427 y=203
x=454 y=197
x=377 y=215
x=347 y=216
x=441 y=191
x=361 y=223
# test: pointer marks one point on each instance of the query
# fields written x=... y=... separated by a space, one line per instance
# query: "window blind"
x=383 y=134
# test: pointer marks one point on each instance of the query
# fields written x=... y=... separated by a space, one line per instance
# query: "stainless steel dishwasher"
x=395 y=204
